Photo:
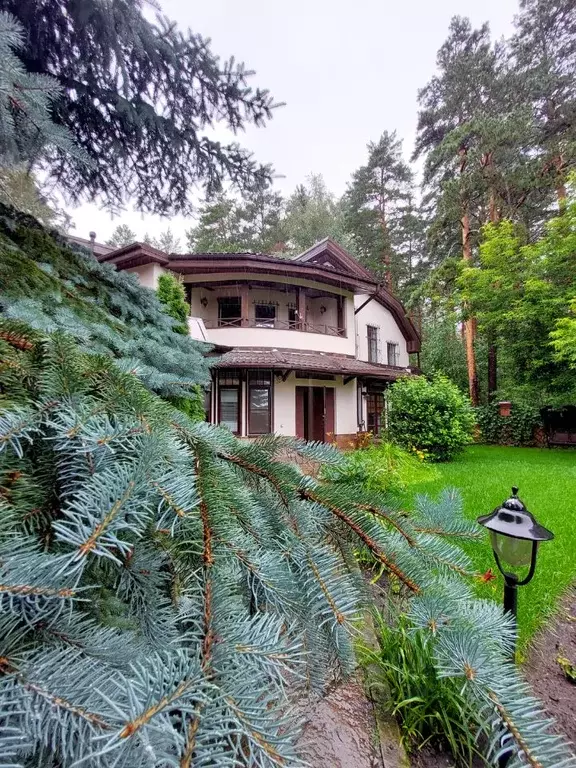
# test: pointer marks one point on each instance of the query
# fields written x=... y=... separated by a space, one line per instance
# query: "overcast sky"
x=345 y=70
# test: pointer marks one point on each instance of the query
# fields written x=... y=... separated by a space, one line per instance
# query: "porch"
x=313 y=396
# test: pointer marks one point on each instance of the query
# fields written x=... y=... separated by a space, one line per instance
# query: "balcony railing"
x=284 y=325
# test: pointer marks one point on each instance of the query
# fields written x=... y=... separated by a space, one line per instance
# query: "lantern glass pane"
x=512 y=551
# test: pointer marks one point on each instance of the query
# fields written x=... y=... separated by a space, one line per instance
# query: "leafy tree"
x=429 y=415
x=313 y=213
x=564 y=337
x=544 y=47
x=375 y=203
x=122 y=236
x=521 y=294
x=219 y=227
x=443 y=349
x=168 y=589
x=138 y=97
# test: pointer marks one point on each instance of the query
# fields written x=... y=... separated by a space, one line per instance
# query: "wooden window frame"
x=270 y=387
x=395 y=354
x=232 y=322
x=376 y=428
x=373 y=338
x=221 y=379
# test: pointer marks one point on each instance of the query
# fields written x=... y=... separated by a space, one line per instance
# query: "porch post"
x=301 y=309
x=244 y=308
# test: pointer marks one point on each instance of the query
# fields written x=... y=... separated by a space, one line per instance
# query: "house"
x=312 y=342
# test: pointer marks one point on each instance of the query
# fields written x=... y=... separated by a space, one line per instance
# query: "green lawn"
x=547 y=480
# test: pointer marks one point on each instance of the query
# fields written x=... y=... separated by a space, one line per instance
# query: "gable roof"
x=325 y=262
x=327 y=253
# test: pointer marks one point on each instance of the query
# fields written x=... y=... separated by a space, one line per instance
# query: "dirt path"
x=340 y=730
x=545 y=675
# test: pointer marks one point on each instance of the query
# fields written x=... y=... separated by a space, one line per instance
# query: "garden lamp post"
x=515 y=536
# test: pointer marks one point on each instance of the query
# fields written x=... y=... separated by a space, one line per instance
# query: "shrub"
x=382 y=468
x=517 y=429
x=430 y=415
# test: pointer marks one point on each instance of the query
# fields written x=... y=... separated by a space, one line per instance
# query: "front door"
x=315 y=413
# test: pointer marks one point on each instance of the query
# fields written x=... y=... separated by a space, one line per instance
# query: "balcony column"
x=244 y=306
x=301 y=309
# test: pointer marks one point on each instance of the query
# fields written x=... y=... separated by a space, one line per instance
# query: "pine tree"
x=122 y=236
x=170 y=292
x=374 y=203
x=312 y=213
x=260 y=213
x=544 y=47
x=138 y=96
x=219 y=228
x=166 y=241
x=167 y=589
x=450 y=105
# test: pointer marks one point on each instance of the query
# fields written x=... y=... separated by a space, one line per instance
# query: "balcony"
x=273 y=323
x=257 y=314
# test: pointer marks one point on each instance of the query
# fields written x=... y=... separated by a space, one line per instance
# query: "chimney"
x=92 y=236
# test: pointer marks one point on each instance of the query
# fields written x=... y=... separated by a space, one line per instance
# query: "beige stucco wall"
x=375 y=314
x=148 y=274
x=285 y=404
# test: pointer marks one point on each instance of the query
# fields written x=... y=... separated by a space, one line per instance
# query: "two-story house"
x=313 y=341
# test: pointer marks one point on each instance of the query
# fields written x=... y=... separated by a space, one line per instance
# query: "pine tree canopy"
x=137 y=96
x=49 y=285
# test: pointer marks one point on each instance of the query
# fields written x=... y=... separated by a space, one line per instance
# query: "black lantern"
x=515 y=536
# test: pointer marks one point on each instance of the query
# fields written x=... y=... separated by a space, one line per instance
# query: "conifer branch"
x=389 y=520
x=254 y=469
x=514 y=732
x=370 y=543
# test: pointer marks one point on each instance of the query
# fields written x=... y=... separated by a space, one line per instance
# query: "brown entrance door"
x=314 y=413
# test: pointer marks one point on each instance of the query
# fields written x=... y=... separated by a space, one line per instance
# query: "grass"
x=547 y=480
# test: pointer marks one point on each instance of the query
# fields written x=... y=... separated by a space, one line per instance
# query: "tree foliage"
x=138 y=96
x=122 y=236
x=431 y=416
x=49 y=286
x=168 y=589
x=521 y=294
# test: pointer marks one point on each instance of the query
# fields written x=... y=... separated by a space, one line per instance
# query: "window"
x=372 y=331
x=375 y=412
x=229 y=399
x=393 y=352
x=265 y=315
x=259 y=402
x=229 y=310
x=292 y=318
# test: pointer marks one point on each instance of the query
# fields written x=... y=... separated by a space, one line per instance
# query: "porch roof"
x=291 y=360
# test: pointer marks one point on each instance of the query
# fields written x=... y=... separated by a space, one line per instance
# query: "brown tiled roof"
x=290 y=360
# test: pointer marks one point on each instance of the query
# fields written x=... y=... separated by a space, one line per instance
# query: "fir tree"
x=27 y=130
x=374 y=206
x=138 y=96
x=122 y=236
x=261 y=215
x=49 y=285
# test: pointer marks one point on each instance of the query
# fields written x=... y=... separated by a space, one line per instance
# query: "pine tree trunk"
x=470 y=323
x=492 y=348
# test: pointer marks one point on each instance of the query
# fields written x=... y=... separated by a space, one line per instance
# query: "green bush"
x=430 y=709
x=516 y=429
x=429 y=415
x=383 y=468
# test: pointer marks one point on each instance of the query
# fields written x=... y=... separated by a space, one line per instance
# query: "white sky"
x=346 y=70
